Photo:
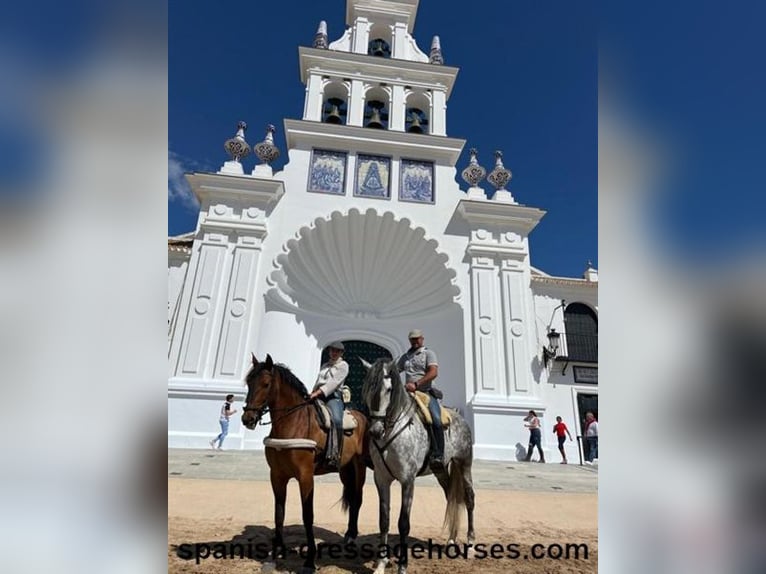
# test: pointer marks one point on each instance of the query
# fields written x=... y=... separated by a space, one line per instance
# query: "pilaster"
x=499 y=265
x=215 y=311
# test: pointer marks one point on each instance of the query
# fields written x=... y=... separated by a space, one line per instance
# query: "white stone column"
x=361 y=38
x=438 y=125
x=312 y=109
x=399 y=41
x=396 y=117
x=356 y=104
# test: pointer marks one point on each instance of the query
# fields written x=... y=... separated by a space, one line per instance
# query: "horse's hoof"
x=402 y=569
x=381 y=567
x=307 y=570
x=348 y=540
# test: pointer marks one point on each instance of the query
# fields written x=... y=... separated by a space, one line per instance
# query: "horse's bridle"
x=377 y=416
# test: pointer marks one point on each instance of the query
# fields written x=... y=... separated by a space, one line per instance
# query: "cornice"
x=494 y=213
x=565 y=282
x=179 y=249
x=257 y=192
x=310 y=134
x=406 y=10
x=372 y=69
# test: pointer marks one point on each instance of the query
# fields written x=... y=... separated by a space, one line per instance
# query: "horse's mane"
x=288 y=378
x=374 y=381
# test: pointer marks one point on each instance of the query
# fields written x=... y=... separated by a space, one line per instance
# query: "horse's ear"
x=255 y=361
x=269 y=362
x=365 y=364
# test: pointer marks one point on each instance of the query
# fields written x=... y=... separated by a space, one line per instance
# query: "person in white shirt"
x=535 y=436
x=591 y=436
x=332 y=375
x=223 y=419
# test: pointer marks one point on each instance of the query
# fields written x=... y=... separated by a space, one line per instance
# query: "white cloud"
x=178 y=188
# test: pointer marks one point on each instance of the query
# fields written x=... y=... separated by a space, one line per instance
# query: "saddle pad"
x=422 y=399
x=281 y=443
x=349 y=422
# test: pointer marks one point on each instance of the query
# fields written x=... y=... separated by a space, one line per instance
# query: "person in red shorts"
x=561 y=430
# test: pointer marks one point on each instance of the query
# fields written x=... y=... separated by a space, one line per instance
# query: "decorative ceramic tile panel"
x=373 y=176
x=327 y=173
x=417 y=181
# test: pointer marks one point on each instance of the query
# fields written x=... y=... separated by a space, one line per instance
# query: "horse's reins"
x=262 y=410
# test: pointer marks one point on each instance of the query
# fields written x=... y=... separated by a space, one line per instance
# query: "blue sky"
x=527 y=86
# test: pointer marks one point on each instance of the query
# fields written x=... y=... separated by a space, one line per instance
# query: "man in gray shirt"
x=420 y=368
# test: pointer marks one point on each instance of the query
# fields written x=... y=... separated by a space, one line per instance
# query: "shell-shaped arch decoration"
x=364 y=266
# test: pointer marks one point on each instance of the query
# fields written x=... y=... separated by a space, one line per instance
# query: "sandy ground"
x=224 y=512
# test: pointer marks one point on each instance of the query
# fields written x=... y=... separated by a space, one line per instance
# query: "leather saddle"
x=422 y=399
x=325 y=418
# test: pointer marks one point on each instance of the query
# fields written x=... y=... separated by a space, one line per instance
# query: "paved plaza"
x=525 y=476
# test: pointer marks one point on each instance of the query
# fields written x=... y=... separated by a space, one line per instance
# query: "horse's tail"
x=455 y=498
x=349 y=487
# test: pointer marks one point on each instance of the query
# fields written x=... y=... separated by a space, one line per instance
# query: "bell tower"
x=375 y=76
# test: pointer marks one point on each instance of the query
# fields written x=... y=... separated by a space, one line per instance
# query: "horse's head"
x=382 y=393
x=259 y=381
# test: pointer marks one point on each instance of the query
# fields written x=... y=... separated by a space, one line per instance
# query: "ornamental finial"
x=237 y=147
x=499 y=176
x=474 y=173
x=436 y=52
x=320 y=38
x=266 y=151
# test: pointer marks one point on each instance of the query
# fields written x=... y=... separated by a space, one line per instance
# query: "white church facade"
x=364 y=235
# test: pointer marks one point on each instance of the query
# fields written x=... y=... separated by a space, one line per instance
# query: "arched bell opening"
x=381 y=40
x=416 y=113
x=376 y=109
x=335 y=104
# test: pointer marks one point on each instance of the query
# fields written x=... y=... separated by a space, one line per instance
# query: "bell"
x=415 y=125
x=375 y=121
x=334 y=115
x=378 y=48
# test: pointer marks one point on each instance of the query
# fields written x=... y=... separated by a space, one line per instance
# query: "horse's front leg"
x=306 y=482
x=279 y=487
x=383 y=484
x=408 y=490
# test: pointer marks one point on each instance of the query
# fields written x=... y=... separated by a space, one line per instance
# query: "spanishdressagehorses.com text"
x=367 y=551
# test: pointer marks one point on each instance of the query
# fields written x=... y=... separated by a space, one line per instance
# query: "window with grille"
x=581 y=326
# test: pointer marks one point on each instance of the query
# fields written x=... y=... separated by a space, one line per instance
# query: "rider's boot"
x=437 y=454
x=331 y=457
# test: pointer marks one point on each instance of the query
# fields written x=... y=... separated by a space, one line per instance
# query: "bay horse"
x=273 y=388
x=399 y=449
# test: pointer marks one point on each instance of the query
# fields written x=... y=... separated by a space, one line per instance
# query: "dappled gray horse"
x=399 y=449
